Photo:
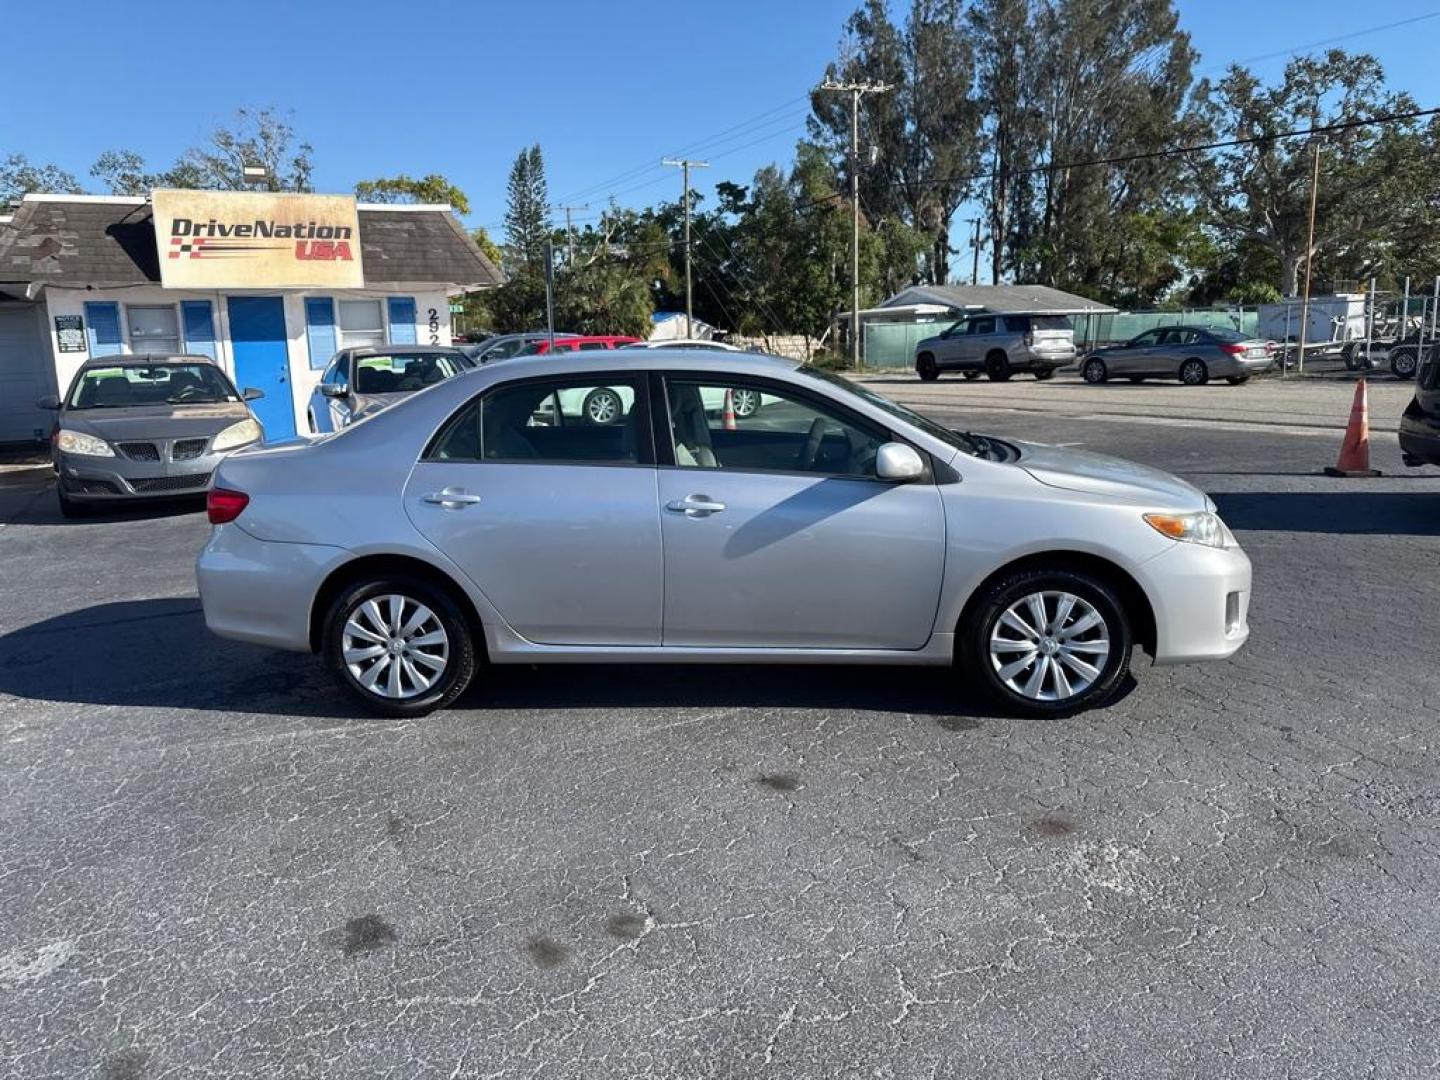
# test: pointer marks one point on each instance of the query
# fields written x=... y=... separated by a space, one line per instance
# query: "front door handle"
x=695 y=506
x=451 y=498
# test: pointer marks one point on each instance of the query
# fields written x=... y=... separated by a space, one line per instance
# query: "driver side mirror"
x=49 y=401
x=251 y=393
x=899 y=462
x=334 y=390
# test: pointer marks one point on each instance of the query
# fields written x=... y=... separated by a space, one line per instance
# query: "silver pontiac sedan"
x=484 y=519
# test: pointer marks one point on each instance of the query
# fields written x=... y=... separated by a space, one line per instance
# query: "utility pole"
x=550 y=293
x=855 y=90
x=570 y=232
x=975 y=249
x=685 y=165
x=1309 y=253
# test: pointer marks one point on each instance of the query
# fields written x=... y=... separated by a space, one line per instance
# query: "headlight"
x=77 y=442
x=1202 y=527
x=246 y=431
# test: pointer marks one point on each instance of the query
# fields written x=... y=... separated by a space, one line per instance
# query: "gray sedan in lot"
x=364 y=380
x=145 y=426
x=1192 y=354
x=483 y=520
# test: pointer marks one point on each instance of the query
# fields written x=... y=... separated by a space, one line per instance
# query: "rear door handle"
x=695 y=506
x=451 y=498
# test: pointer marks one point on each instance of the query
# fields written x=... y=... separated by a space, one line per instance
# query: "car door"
x=980 y=340
x=1134 y=357
x=553 y=518
x=777 y=533
x=949 y=350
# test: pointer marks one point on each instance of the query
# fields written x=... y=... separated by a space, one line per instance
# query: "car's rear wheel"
x=603 y=406
x=926 y=368
x=398 y=645
x=1094 y=371
x=997 y=366
x=1403 y=362
x=1193 y=372
x=1047 y=642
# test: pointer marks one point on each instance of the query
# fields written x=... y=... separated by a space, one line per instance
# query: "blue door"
x=257 y=335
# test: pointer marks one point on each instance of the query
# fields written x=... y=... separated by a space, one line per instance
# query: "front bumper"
x=261 y=591
x=1201 y=600
x=84 y=478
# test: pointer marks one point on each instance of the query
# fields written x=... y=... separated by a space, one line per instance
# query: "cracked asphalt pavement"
x=210 y=867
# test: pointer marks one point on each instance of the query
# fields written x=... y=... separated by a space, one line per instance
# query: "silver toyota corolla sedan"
x=486 y=519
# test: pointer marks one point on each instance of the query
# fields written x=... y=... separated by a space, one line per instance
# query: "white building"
x=81 y=276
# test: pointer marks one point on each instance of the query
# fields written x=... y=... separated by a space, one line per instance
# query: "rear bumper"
x=1201 y=600
x=1419 y=441
x=259 y=591
x=1239 y=366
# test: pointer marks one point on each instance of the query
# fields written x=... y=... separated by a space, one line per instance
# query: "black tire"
x=1237 y=380
x=69 y=508
x=1348 y=357
x=979 y=665
x=1136 y=378
x=971 y=376
x=1193 y=372
x=460 y=659
x=1042 y=374
x=997 y=366
x=925 y=367
x=746 y=402
x=1094 y=371
x=1404 y=363
x=603 y=406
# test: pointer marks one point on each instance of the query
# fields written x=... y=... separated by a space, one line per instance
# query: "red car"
x=576 y=344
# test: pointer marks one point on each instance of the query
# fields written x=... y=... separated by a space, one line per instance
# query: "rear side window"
x=1017 y=324
x=982 y=326
x=575 y=420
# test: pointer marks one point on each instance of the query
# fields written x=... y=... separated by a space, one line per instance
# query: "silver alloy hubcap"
x=1192 y=373
x=1049 y=646
x=746 y=402
x=1094 y=371
x=395 y=646
x=603 y=408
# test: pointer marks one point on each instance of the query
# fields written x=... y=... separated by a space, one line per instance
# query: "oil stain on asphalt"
x=785 y=782
x=546 y=953
x=366 y=934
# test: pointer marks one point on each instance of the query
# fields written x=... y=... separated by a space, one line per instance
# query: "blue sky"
x=606 y=89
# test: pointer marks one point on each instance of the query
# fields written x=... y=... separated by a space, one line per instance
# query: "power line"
x=1148 y=155
x=1323 y=41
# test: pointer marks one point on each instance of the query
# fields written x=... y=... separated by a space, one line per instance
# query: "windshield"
x=153 y=384
x=957 y=439
x=403 y=373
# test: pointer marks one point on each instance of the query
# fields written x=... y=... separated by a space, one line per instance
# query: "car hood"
x=156 y=421
x=1100 y=474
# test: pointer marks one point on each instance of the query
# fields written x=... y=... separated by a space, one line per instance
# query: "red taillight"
x=1233 y=350
x=223 y=505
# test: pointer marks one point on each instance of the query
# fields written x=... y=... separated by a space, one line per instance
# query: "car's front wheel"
x=1047 y=642
x=398 y=645
x=602 y=406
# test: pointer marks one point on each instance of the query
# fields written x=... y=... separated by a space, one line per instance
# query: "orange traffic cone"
x=728 y=415
x=1355 y=450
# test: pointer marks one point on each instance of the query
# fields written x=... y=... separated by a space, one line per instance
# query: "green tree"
x=433 y=189
x=256 y=137
x=19 y=177
x=1373 y=184
x=527 y=211
x=920 y=141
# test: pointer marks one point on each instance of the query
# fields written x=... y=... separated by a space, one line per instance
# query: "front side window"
x=402 y=373
x=715 y=425
x=153 y=329
x=1145 y=340
x=150 y=384
x=361 y=323
x=573 y=420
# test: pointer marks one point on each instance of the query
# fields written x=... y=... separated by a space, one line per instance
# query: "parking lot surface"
x=210 y=867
